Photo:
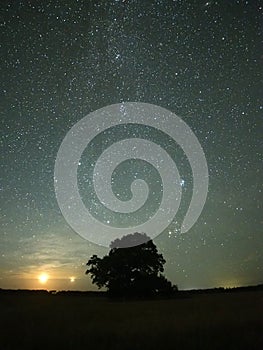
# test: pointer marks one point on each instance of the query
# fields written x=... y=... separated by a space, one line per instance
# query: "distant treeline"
x=183 y=293
x=51 y=292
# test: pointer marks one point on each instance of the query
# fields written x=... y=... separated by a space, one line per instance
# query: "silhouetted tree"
x=136 y=270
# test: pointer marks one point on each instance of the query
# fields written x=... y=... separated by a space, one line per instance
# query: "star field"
x=61 y=60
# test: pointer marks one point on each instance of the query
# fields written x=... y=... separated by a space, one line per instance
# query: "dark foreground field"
x=206 y=321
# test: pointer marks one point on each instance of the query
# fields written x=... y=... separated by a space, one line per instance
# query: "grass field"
x=206 y=321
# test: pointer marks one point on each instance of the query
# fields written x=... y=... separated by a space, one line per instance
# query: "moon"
x=43 y=278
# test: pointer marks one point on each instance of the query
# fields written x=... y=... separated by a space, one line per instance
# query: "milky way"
x=62 y=60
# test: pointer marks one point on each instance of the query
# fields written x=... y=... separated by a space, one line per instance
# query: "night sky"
x=61 y=60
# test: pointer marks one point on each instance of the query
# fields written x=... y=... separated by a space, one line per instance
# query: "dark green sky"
x=61 y=60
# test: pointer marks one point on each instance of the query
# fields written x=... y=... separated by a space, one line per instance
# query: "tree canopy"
x=135 y=270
